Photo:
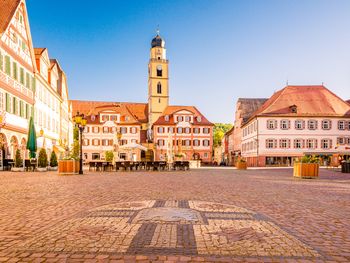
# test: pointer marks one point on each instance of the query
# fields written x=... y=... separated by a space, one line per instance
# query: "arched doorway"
x=13 y=146
x=3 y=145
x=24 y=148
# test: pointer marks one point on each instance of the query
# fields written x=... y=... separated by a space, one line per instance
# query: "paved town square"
x=198 y=215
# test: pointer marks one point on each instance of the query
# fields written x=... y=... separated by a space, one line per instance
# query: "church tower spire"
x=158 y=80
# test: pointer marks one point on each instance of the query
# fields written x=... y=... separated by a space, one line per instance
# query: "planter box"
x=41 y=169
x=345 y=167
x=241 y=165
x=306 y=170
x=17 y=169
x=55 y=168
x=195 y=164
x=67 y=167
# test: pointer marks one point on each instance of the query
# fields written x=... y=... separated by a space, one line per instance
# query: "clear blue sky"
x=218 y=50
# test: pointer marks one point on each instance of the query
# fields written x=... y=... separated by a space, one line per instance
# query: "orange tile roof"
x=38 y=51
x=138 y=111
x=171 y=110
x=7 y=11
x=309 y=100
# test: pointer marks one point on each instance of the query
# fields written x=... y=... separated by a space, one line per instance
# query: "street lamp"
x=118 y=136
x=80 y=123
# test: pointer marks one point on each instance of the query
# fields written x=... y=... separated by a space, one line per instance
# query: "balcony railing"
x=16 y=85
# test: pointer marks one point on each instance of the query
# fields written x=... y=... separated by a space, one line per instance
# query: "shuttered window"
x=7 y=65
x=21 y=109
x=8 y=103
x=27 y=80
x=21 y=76
x=33 y=84
x=14 y=105
x=14 y=71
x=27 y=111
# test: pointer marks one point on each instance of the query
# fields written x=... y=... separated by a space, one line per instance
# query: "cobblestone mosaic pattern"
x=193 y=216
x=176 y=227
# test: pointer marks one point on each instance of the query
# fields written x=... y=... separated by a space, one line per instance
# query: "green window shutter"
x=14 y=105
x=8 y=65
x=27 y=111
x=8 y=103
x=15 y=73
x=27 y=80
x=33 y=84
x=22 y=76
x=21 y=112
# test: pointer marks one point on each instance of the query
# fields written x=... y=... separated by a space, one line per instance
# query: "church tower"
x=158 y=80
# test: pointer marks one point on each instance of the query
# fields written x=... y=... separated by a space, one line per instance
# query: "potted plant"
x=18 y=162
x=307 y=167
x=241 y=164
x=53 y=161
x=70 y=164
x=42 y=161
x=345 y=166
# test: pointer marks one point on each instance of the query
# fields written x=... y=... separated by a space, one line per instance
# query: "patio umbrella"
x=31 y=141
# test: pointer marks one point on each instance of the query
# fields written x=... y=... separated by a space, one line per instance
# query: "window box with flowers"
x=307 y=167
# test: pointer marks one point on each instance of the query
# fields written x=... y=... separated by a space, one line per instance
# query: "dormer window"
x=180 y=118
x=127 y=118
x=93 y=118
x=166 y=118
x=187 y=118
x=294 y=109
x=199 y=118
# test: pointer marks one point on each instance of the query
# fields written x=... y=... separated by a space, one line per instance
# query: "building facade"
x=146 y=131
x=297 y=121
x=29 y=85
x=183 y=131
x=17 y=81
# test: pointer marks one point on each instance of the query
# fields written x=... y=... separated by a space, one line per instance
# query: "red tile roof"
x=7 y=11
x=348 y=101
x=171 y=110
x=309 y=101
x=138 y=111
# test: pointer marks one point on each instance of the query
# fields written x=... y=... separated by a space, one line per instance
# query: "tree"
x=42 y=159
x=219 y=131
x=109 y=156
x=53 y=159
x=18 y=159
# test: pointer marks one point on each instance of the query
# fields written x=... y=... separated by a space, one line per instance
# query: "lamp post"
x=80 y=123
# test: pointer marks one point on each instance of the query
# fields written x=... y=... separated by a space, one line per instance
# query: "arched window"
x=159 y=71
x=159 y=88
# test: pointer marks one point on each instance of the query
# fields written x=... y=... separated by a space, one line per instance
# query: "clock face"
x=159 y=67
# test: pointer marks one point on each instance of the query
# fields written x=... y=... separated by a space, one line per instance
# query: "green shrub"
x=18 y=159
x=308 y=159
x=109 y=156
x=53 y=159
x=42 y=159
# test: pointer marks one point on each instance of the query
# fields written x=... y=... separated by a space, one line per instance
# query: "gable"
x=16 y=39
x=185 y=112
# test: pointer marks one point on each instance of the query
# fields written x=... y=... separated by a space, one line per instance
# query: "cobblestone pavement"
x=199 y=215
